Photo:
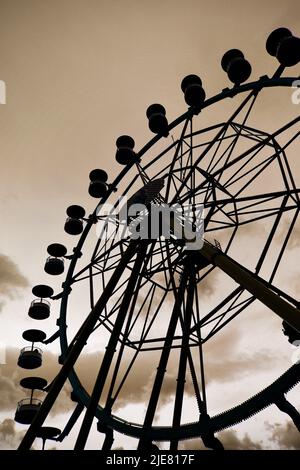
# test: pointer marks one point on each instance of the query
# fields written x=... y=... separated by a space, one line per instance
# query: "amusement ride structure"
x=143 y=302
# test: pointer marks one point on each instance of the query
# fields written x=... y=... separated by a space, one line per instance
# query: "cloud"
x=285 y=436
x=9 y=436
x=294 y=240
x=237 y=364
x=208 y=285
x=11 y=280
x=229 y=439
x=10 y=375
x=135 y=389
x=138 y=386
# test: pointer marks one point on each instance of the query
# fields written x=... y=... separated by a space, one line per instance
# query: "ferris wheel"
x=141 y=297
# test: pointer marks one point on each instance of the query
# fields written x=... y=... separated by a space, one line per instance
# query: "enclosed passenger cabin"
x=55 y=263
x=98 y=186
x=28 y=407
x=31 y=357
x=74 y=223
x=26 y=410
x=40 y=308
x=54 y=266
x=125 y=153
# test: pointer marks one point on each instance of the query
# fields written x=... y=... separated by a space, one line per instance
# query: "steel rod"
x=252 y=284
x=75 y=351
x=152 y=404
x=110 y=349
x=184 y=352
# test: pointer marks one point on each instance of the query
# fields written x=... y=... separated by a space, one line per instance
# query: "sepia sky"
x=78 y=74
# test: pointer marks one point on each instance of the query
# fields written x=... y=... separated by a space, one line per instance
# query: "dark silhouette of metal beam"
x=164 y=357
x=184 y=352
x=252 y=284
x=286 y=407
x=111 y=348
x=75 y=351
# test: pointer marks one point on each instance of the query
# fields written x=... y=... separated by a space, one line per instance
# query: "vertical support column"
x=108 y=441
x=286 y=407
x=109 y=436
x=110 y=349
x=164 y=359
x=184 y=352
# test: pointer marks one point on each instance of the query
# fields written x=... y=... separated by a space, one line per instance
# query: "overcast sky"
x=78 y=74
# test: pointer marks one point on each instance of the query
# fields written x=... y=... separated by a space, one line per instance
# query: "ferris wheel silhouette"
x=144 y=295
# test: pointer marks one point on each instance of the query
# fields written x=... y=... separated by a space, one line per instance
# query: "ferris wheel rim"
x=261 y=400
x=260 y=84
